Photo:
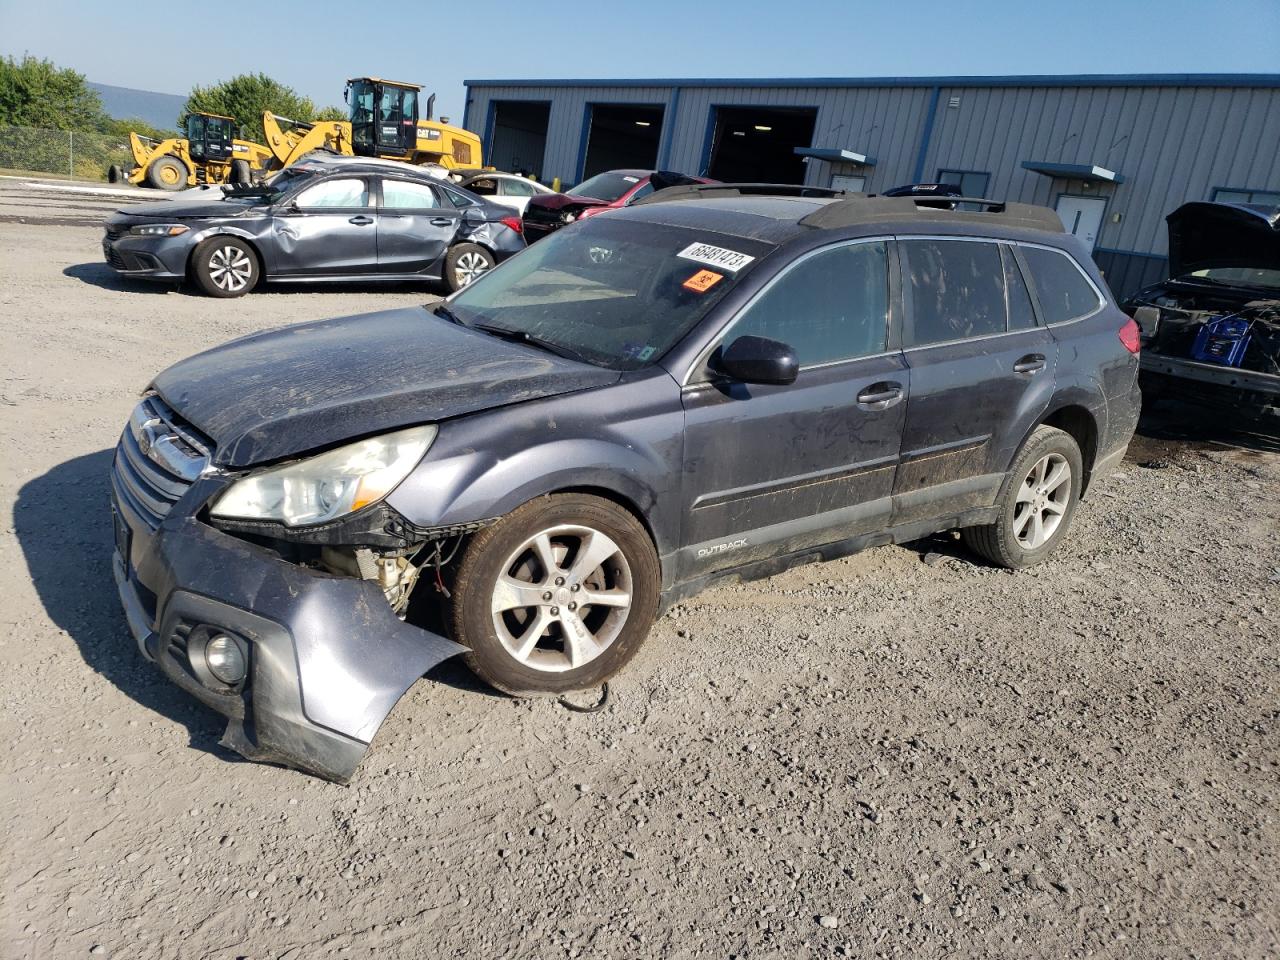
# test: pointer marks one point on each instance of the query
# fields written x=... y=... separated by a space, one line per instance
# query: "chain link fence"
x=62 y=153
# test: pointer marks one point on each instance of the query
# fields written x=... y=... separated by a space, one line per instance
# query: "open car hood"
x=290 y=391
x=1204 y=235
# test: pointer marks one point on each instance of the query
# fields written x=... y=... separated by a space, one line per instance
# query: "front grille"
x=548 y=219
x=157 y=459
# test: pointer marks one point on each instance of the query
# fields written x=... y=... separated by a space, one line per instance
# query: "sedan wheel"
x=230 y=268
x=225 y=267
x=562 y=599
x=470 y=267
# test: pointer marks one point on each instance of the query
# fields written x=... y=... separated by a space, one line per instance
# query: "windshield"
x=274 y=188
x=605 y=186
x=1241 y=276
x=616 y=293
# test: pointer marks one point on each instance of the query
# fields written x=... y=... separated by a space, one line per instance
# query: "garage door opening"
x=622 y=135
x=518 y=138
x=757 y=144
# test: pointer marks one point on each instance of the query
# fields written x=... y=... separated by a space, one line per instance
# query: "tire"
x=240 y=173
x=167 y=173
x=504 y=650
x=464 y=263
x=114 y=173
x=1014 y=541
x=225 y=267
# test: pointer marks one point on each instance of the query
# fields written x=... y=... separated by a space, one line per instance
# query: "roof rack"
x=858 y=209
x=705 y=191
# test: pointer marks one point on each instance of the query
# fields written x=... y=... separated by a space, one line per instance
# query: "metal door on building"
x=852 y=184
x=1082 y=216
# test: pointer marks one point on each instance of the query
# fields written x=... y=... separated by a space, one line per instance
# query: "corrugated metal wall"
x=1171 y=143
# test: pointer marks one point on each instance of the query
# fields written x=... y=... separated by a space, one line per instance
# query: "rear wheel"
x=225 y=267
x=1037 y=502
x=167 y=173
x=556 y=596
x=465 y=264
x=240 y=172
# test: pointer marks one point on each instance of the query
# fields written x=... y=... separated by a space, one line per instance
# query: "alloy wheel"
x=562 y=598
x=230 y=268
x=1042 y=501
x=470 y=267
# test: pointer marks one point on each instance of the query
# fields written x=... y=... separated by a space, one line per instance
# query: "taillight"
x=515 y=223
x=1131 y=337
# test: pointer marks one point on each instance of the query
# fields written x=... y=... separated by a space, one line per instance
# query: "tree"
x=331 y=113
x=38 y=93
x=245 y=98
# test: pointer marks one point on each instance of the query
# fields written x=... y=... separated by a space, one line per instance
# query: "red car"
x=605 y=191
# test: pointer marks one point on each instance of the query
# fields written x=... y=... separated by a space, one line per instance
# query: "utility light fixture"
x=762 y=128
x=643 y=123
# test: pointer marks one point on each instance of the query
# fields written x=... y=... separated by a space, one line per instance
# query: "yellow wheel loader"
x=384 y=123
x=209 y=153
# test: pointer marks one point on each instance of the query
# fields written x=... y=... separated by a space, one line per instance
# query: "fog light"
x=225 y=659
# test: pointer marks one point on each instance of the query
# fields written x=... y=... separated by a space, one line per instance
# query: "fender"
x=557 y=444
x=231 y=230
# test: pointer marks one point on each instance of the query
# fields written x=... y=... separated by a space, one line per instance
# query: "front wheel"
x=225 y=267
x=167 y=173
x=1037 y=502
x=556 y=596
x=465 y=264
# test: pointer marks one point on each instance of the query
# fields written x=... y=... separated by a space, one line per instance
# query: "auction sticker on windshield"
x=702 y=281
x=729 y=260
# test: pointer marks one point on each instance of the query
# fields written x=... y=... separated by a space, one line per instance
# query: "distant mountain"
x=158 y=109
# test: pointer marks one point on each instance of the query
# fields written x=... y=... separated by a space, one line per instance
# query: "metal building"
x=1113 y=154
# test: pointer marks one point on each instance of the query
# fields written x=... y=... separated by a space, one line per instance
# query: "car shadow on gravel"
x=101 y=275
x=63 y=524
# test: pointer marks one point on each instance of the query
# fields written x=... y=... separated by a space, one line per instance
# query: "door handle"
x=441 y=222
x=361 y=221
x=880 y=396
x=1031 y=363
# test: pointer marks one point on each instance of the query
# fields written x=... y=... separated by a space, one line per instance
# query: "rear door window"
x=1061 y=286
x=403 y=195
x=1021 y=314
x=517 y=188
x=831 y=306
x=955 y=290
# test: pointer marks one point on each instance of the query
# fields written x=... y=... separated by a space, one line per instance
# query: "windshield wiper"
x=532 y=340
x=442 y=310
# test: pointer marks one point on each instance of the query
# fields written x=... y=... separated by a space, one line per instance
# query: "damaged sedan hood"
x=290 y=391
x=1204 y=235
x=198 y=202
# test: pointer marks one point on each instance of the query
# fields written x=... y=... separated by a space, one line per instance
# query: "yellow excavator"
x=384 y=123
x=209 y=153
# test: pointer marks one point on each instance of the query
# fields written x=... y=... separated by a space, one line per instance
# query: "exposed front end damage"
x=313 y=652
x=1211 y=333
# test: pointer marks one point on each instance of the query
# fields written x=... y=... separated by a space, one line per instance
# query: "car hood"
x=1203 y=235
x=301 y=388
x=198 y=202
x=558 y=201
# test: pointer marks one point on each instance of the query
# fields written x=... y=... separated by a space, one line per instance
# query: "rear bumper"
x=327 y=658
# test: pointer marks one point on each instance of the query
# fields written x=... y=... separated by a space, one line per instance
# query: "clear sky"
x=314 y=46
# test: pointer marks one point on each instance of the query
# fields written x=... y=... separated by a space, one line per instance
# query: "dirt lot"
x=901 y=754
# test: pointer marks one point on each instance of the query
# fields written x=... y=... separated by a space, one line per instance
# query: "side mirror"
x=758 y=360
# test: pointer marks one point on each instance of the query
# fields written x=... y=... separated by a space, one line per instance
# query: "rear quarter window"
x=956 y=290
x=1063 y=290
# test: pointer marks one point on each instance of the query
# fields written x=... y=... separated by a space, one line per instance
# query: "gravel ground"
x=905 y=753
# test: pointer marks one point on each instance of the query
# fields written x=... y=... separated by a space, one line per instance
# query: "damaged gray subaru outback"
x=307 y=520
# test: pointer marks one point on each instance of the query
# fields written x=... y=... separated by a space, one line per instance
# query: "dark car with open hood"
x=327 y=218
x=610 y=421
x=1211 y=332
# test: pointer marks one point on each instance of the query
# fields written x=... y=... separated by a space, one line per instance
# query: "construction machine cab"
x=384 y=117
x=209 y=137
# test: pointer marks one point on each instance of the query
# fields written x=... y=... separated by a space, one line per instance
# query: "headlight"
x=159 y=230
x=330 y=485
x=567 y=218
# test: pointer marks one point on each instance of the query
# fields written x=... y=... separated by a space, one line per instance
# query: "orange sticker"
x=702 y=281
